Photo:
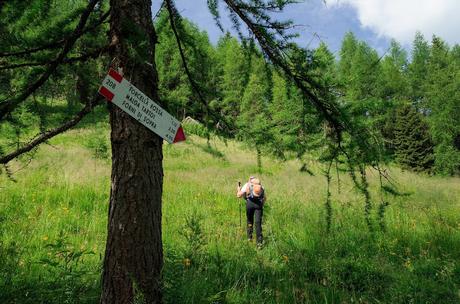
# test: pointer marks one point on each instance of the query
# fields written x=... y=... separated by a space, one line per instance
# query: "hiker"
x=253 y=193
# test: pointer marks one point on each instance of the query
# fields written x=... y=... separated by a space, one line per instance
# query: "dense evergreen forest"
x=409 y=101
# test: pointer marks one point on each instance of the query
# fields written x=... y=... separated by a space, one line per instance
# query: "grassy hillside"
x=53 y=226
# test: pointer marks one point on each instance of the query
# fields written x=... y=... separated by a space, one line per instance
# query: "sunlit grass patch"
x=59 y=202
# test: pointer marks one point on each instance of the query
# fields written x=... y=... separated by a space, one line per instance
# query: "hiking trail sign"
x=130 y=99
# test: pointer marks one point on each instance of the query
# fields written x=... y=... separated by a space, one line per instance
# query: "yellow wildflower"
x=408 y=264
x=187 y=262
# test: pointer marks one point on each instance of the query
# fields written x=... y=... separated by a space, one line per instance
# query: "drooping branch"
x=213 y=7
x=90 y=55
x=42 y=137
x=272 y=49
x=271 y=6
x=367 y=197
x=173 y=15
x=327 y=203
x=283 y=54
x=58 y=43
x=82 y=58
x=274 y=41
x=8 y=106
x=157 y=14
x=172 y=18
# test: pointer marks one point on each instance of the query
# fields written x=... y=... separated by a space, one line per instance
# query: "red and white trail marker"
x=130 y=99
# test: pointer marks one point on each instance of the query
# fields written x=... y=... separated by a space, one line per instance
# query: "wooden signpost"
x=130 y=99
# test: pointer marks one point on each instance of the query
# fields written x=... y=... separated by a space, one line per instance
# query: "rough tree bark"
x=133 y=256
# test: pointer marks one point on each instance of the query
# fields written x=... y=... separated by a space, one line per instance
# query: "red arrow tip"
x=180 y=136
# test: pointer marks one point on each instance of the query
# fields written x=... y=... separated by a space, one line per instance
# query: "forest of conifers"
x=409 y=100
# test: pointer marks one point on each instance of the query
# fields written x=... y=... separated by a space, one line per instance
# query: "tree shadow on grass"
x=214 y=152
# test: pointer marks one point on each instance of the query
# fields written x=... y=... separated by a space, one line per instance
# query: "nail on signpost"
x=130 y=99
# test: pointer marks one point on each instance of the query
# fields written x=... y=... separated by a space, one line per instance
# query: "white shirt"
x=244 y=189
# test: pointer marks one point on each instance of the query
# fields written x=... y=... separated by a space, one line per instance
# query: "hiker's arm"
x=240 y=191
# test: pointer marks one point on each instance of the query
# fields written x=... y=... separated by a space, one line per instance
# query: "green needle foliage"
x=443 y=99
x=233 y=69
x=253 y=121
x=413 y=145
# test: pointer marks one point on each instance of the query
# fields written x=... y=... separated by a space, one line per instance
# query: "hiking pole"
x=239 y=187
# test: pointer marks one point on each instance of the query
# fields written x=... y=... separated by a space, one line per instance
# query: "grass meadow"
x=53 y=228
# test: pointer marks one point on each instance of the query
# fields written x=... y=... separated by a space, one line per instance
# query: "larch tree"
x=393 y=89
x=393 y=80
x=134 y=252
x=234 y=71
x=418 y=70
x=283 y=126
x=347 y=52
x=174 y=85
x=253 y=121
x=133 y=256
x=442 y=89
x=359 y=74
x=294 y=124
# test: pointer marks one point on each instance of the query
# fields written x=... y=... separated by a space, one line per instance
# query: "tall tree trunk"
x=134 y=256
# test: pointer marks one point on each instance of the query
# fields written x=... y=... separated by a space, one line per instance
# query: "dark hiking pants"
x=254 y=210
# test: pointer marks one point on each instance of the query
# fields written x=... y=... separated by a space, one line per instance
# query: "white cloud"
x=400 y=19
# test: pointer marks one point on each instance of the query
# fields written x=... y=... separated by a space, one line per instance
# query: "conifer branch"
x=58 y=43
x=173 y=15
x=274 y=51
x=327 y=203
x=82 y=58
x=8 y=106
x=51 y=133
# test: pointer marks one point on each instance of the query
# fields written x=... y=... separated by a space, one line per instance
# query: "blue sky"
x=374 y=21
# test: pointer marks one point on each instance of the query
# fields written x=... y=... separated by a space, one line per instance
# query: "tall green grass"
x=53 y=229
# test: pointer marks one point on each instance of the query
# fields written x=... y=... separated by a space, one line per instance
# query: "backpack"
x=255 y=191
